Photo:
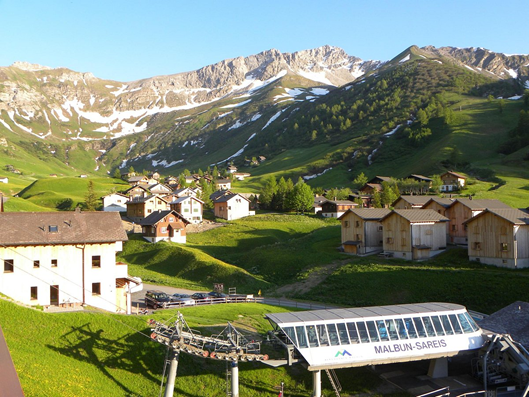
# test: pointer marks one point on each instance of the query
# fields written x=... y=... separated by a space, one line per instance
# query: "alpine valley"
x=310 y=113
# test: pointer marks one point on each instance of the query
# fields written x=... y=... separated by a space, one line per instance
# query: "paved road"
x=138 y=301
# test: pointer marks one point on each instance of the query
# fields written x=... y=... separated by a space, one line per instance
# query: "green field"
x=94 y=354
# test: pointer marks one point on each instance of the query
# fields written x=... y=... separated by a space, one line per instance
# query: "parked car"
x=217 y=295
x=157 y=299
x=183 y=299
x=201 y=297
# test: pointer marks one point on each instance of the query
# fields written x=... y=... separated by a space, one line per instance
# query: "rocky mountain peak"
x=30 y=67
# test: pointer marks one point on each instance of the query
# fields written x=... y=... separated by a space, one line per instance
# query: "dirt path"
x=315 y=277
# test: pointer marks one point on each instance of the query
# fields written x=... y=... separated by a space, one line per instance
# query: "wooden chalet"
x=142 y=207
x=138 y=180
x=191 y=208
x=336 y=208
x=166 y=225
x=137 y=192
x=188 y=191
x=154 y=175
x=414 y=233
x=463 y=209
x=231 y=169
x=115 y=202
x=452 y=181
x=408 y=202
x=318 y=200
x=499 y=237
x=362 y=230
x=439 y=204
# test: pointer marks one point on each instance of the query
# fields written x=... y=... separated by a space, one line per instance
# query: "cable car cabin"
x=340 y=338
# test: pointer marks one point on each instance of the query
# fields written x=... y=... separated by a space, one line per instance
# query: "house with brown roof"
x=362 y=230
x=499 y=237
x=138 y=180
x=65 y=258
x=232 y=206
x=188 y=191
x=164 y=225
x=218 y=194
x=137 y=192
x=408 y=202
x=413 y=234
x=452 y=181
x=336 y=208
x=189 y=207
x=463 y=209
x=142 y=207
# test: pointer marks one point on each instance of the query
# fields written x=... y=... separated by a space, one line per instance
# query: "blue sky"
x=134 y=39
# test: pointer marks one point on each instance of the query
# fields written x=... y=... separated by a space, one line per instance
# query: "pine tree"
x=376 y=201
x=90 y=198
x=117 y=173
x=268 y=191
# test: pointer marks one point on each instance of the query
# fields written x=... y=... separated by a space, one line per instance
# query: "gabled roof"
x=480 y=204
x=154 y=185
x=368 y=214
x=137 y=187
x=418 y=215
x=512 y=320
x=147 y=198
x=443 y=201
x=378 y=178
x=219 y=193
x=65 y=227
x=225 y=180
x=413 y=200
x=375 y=186
x=454 y=174
x=157 y=216
x=137 y=178
x=511 y=215
x=419 y=177
x=116 y=194
x=228 y=197
x=184 y=198
x=340 y=202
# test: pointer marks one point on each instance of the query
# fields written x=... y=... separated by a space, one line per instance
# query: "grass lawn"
x=96 y=354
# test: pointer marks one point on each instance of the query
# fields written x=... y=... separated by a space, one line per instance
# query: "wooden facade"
x=408 y=202
x=335 y=209
x=189 y=207
x=499 y=237
x=463 y=209
x=362 y=230
x=143 y=207
x=413 y=234
x=452 y=181
x=164 y=225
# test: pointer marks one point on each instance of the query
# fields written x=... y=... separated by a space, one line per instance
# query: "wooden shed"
x=362 y=230
x=413 y=234
x=499 y=237
x=463 y=209
x=408 y=202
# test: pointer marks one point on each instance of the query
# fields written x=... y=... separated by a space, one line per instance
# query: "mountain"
x=323 y=100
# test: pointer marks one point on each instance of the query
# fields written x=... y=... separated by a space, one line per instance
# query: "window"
x=389 y=240
x=372 y=329
x=34 y=293
x=504 y=247
x=429 y=232
x=96 y=288
x=353 y=335
x=333 y=334
x=290 y=332
x=346 y=224
x=186 y=209
x=454 y=228
x=322 y=335
x=96 y=261
x=36 y=264
x=358 y=237
x=477 y=246
x=53 y=228
x=9 y=265
x=311 y=332
x=171 y=219
x=54 y=263
x=420 y=327
x=379 y=228
x=195 y=209
x=302 y=338
x=163 y=229
x=342 y=332
x=149 y=211
x=357 y=223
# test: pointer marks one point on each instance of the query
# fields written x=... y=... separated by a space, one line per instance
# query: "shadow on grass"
x=90 y=346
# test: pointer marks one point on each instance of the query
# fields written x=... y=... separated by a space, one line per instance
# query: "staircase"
x=335 y=383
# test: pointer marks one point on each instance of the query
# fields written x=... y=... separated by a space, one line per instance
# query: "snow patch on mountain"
x=236 y=105
x=320 y=77
x=274 y=117
x=164 y=163
x=6 y=125
x=405 y=59
x=513 y=73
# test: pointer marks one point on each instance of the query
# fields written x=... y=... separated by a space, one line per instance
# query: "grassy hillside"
x=182 y=266
x=51 y=192
x=92 y=354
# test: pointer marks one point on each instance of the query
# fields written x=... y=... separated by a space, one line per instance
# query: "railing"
x=445 y=391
